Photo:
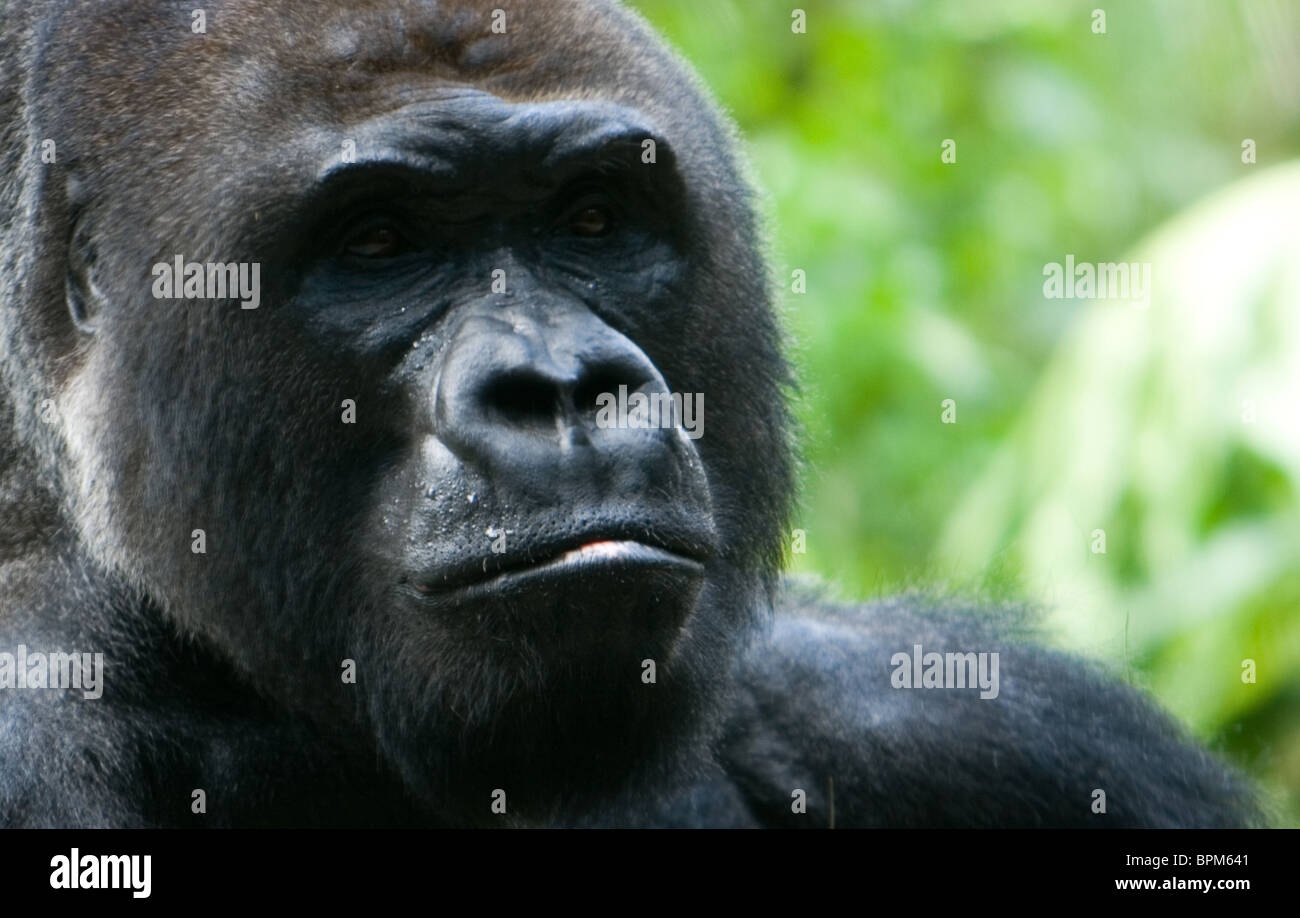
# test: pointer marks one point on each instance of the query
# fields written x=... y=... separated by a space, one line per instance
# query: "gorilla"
x=330 y=495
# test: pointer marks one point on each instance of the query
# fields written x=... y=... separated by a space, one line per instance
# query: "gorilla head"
x=469 y=227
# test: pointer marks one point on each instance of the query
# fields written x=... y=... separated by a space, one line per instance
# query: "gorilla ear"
x=83 y=296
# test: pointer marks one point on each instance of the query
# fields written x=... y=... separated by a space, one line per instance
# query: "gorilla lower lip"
x=591 y=557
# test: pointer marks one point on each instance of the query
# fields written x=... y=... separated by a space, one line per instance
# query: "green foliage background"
x=925 y=283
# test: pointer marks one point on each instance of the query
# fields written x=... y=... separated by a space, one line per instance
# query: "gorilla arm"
x=815 y=710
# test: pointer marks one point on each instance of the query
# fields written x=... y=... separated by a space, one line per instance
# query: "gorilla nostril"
x=523 y=400
x=602 y=381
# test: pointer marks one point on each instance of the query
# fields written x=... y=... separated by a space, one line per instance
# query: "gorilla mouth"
x=591 y=556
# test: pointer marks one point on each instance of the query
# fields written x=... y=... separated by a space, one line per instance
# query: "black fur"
x=223 y=668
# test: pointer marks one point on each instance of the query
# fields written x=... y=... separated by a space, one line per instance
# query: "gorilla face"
x=488 y=307
x=471 y=236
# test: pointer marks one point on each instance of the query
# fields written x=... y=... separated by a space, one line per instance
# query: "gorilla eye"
x=379 y=241
x=591 y=221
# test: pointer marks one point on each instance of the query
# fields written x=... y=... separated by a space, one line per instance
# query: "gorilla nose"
x=519 y=394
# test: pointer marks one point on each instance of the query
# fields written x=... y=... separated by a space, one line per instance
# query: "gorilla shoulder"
x=910 y=712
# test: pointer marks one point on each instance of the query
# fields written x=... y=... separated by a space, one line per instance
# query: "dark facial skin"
x=485 y=407
x=488 y=399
